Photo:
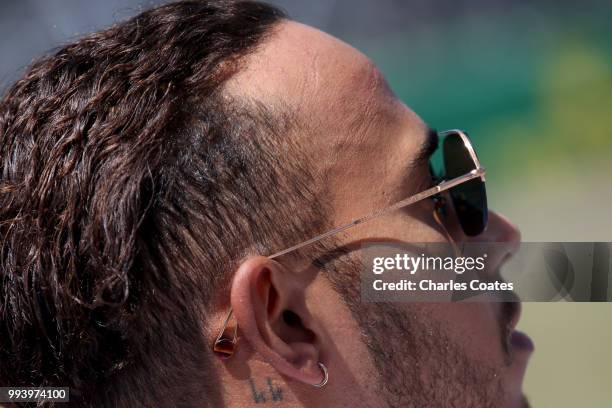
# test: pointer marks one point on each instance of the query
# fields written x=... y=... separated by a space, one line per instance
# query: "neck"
x=245 y=383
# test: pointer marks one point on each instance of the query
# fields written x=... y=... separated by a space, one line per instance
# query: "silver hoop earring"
x=325 y=376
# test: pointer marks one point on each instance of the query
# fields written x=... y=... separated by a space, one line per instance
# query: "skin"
x=360 y=141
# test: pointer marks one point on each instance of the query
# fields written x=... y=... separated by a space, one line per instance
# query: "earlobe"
x=269 y=304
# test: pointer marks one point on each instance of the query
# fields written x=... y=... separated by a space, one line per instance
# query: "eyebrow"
x=427 y=149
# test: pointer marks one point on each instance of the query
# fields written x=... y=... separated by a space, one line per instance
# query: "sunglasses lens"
x=469 y=198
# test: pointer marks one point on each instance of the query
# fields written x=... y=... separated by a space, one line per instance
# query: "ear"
x=269 y=304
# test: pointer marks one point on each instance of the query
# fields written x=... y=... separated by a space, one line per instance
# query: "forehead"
x=312 y=72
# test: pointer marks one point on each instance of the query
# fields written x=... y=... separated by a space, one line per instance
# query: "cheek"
x=474 y=325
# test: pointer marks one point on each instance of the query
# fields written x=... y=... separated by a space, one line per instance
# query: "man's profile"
x=146 y=172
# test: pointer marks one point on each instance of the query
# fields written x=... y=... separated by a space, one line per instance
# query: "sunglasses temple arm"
x=443 y=186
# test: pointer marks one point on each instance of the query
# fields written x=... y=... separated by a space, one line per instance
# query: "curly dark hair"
x=131 y=184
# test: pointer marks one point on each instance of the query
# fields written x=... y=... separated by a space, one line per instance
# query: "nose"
x=500 y=230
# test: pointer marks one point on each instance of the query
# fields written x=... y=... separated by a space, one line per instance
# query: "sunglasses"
x=461 y=175
x=469 y=199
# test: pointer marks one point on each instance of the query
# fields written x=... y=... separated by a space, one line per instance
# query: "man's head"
x=145 y=168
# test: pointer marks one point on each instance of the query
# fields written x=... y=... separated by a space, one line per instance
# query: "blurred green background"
x=533 y=86
x=531 y=81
